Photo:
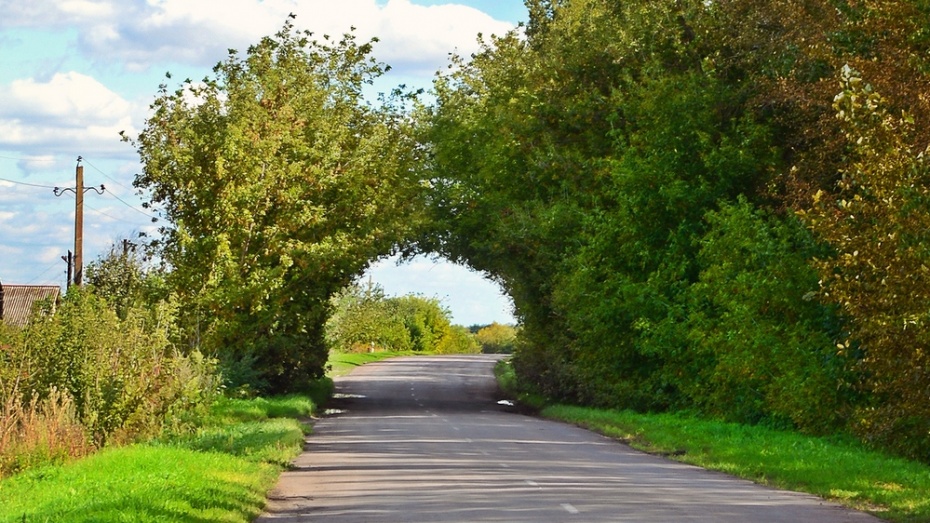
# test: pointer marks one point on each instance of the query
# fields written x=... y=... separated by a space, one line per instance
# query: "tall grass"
x=39 y=431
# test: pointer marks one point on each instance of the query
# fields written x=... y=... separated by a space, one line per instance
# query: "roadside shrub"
x=458 y=340
x=363 y=319
x=86 y=371
x=761 y=346
x=877 y=220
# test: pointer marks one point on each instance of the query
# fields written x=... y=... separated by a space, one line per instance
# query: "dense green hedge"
x=711 y=206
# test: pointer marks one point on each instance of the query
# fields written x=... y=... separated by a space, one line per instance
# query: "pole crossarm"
x=61 y=190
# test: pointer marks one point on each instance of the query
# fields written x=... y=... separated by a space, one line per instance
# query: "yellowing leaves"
x=879 y=278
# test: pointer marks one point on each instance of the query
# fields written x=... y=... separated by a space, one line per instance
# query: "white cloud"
x=141 y=34
x=72 y=96
x=420 y=38
x=46 y=162
x=70 y=112
x=86 y=9
x=49 y=255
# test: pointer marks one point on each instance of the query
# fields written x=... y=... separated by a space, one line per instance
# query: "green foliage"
x=124 y=378
x=521 y=391
x=761 y=346
x=362 y=320
x=458 y=340
x=279 y=184
x=425 y=319
x=516 y=141
x=120 y=278
x=629 y=172
x=365 y=320
x=624 y=293
x=496 y=338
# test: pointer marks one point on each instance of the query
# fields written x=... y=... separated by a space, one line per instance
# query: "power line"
x=106 y=175
x=27 y=184
x=149 y=216
x=111 y=193
x=121 y=220
x=50 y=267
x=98 y=211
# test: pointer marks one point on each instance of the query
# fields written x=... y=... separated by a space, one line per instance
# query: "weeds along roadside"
x=155 y=436
x=837 y=468
x=83 y=378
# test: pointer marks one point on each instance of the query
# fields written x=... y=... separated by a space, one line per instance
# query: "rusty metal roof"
x=18 y=301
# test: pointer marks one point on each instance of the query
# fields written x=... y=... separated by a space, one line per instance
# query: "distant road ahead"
x=423 y=440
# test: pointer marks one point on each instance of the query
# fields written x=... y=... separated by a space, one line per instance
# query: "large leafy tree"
x=878 y=221
x=279 y=184
x=516 y=142
x=631 y=173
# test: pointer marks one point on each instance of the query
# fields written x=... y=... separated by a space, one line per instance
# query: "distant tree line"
x=364 y=319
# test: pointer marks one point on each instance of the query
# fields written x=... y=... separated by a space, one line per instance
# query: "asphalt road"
x=424 y=440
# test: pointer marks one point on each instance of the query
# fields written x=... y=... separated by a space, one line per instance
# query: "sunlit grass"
x=140 y=483
x=227 y=410
x=220 y=473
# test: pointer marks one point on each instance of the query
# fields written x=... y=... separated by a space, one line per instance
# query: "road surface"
x=424 y=440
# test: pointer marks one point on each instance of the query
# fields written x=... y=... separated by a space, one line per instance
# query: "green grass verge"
x=836 y=468
x=221 y=473
x=842 y=470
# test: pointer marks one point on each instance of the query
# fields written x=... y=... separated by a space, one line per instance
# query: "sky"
x=75 y=73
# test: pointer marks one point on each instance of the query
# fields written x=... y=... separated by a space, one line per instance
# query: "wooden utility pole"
x=79 y=224
x=78 y=190
x=128 y=246
x=69 y=259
